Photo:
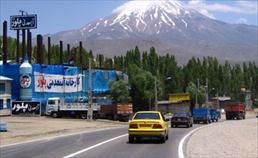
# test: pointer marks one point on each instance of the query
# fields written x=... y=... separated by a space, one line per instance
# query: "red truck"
x=235 y=110
x=119 y=112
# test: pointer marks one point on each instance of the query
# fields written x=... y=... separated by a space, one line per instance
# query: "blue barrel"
x=25 y=81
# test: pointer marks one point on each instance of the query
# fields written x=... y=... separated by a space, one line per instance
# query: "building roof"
x=164 y=102
x=224 y=98
x=3 y=78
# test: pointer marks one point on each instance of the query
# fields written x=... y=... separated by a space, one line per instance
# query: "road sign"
x=19 y=22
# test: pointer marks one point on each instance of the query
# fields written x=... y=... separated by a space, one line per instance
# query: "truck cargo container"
x=201 y=115
x=119 y=112
x=235 y=111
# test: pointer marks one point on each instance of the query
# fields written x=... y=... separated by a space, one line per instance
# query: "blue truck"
x=215 y=115
x=202 y=115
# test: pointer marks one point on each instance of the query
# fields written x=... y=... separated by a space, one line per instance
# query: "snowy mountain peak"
x=138 y=7
x=144 y=16
x=140 y=15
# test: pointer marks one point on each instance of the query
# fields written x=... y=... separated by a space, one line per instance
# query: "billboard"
x=19 y=22
x=26 y=107
x=179 y=97
x=57 y=83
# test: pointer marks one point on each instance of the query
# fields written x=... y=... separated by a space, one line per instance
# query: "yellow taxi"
x=148 y=124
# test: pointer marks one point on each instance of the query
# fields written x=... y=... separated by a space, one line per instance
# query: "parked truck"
x=119 y=112
x=201 y=115
x=235 y=111
x=215 y=115
x=57 y=107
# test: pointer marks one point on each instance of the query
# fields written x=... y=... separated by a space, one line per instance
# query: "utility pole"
x=90 y=111
x=196 y=94
x=39 y=49
x=29 y=46
x=5 y=42
x=207 y=90
x=18 y=46
x=61 y=53
x=156 y=93
x=49 y=50
x=23 y=43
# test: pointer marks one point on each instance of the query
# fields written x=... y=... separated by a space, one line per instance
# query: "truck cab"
x=72 y=107
x=53 y=106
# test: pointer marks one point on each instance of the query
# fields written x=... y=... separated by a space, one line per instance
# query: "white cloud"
x=241 y=21
x=248 y=7
x=243 y=7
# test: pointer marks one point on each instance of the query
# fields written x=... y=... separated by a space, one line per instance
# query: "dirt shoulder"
x=227 y=139
x=28 y=128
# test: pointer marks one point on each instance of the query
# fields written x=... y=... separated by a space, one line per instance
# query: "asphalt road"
x=94 y=146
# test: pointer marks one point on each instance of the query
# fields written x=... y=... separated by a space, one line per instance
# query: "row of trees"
x=224 y=78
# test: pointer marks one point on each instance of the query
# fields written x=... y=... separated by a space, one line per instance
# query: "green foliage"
x=142 y=87
x=193 y=90
x=224 y=78
x=119 y=92
x=255 y=104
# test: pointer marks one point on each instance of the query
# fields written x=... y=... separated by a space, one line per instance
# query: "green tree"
x=193 y=89
x=119 y=92
x=142 y=87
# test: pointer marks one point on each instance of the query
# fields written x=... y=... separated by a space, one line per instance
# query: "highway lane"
x=147 y=148
x=58 y=147
x=118 y=148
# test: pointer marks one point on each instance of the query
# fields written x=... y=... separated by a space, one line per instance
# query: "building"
x=5 y=95
x=68 y=82
x=220 y=101
x=177 y=102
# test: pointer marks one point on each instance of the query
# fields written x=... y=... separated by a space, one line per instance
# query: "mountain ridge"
x=182 y=32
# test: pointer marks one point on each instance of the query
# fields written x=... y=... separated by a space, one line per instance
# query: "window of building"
x=8 y=103
x=1 y=103
x=2 y=88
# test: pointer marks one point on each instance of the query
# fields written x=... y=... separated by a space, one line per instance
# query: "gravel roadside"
x=228 y=139
x=28 y=128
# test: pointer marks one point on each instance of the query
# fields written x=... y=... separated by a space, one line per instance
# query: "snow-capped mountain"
x=169 y=27
x=148 y=17
x=141 y=16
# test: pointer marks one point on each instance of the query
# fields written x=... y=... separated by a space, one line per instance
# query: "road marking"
x=180 y=146
x=60 y=136
x=94 y=146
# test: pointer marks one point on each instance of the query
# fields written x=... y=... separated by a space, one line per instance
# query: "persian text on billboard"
x=23 y=22
x=28 y=107
x=57 y=83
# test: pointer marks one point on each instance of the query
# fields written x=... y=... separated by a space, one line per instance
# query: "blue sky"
x=60 y=15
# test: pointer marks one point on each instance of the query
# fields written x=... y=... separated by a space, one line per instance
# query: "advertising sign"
x=57 y=83
x=18 y=22
x=25 y=81
x=25 y=107
x=179 y=97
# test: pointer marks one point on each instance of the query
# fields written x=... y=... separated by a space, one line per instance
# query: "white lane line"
x=94 y=146
x=60 y=136
x=180 y=146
